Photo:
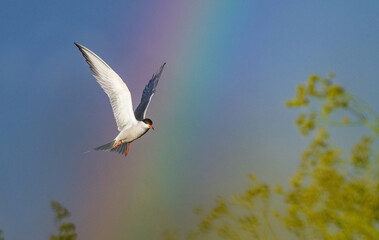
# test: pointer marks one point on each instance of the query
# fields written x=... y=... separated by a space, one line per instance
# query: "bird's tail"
x=107 y=147
x=121 y=148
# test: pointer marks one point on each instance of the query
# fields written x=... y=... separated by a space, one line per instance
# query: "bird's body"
x=132 y=133
x=132 y=125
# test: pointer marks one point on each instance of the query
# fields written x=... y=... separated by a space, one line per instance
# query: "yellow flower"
x=361 y=152
x=313 y=78
x=198 y=211
x=278 y=189
x=331 y=75
x=345 y=120
x=300 y=99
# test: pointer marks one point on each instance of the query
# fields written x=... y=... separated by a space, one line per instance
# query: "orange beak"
x=151 y=126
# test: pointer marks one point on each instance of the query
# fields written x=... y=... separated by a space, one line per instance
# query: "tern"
x=131 y=125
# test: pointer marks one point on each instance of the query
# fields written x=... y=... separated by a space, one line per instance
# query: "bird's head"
x=148 y=122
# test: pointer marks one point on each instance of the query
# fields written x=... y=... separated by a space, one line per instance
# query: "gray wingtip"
x=164 y=64
x=158 y=74
x=83 y=49
x=80 y=47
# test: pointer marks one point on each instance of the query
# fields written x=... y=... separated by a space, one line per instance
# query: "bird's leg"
x=127 y=150
x=118 y=143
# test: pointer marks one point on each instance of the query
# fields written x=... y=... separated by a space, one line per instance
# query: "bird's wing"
x=147 y=94
x=117 y=91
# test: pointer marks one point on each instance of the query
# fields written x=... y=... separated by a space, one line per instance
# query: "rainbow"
x=138 y=197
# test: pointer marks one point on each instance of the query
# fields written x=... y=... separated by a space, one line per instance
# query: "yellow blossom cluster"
x=306 y=123
x=361 y=153
x=330 y=96
x=333 y=95
x=329 y=198
x=245 y=216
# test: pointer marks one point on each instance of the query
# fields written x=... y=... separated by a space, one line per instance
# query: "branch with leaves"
x=66 y=229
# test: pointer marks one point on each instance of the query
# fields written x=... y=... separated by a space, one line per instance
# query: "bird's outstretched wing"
x=117 y=91
x=147 y=94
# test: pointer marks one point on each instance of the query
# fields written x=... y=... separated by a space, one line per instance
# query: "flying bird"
x=131 y=125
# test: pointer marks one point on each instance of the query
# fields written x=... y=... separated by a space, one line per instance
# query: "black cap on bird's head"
x=148 y=122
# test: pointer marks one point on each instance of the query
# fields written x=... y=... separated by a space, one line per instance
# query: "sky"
x=218 y=112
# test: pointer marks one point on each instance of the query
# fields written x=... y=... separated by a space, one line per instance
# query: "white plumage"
x=117 y=91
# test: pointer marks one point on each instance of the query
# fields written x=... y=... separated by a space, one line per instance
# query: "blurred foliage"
x=333 y=196
x=66 y=229
x=330 y=195
x=244 y=216
x=325 y=101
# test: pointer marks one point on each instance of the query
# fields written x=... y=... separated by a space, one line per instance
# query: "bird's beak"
x=151 y=126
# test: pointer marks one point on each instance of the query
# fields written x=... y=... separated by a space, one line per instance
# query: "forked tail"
x=115 y=146
x=107 y=147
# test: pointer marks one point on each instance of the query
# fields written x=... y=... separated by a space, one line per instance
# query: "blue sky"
x=219 y=109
